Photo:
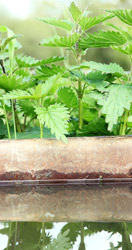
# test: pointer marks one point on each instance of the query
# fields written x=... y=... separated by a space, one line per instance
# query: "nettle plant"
x=85 y=98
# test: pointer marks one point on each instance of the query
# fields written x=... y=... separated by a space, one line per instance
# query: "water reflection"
x=65 y=236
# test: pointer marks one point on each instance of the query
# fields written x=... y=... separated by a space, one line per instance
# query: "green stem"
x=124 y=120
x=14 y=122
x=9 y=236
x=41 y=130
x=130 y=69
x=82 y=244
x=80 y=105
x=15 y=238
x=7 y=123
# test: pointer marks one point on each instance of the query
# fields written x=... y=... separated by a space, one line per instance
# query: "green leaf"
x=96 y=127
x=75 y=12
x=3 y=128
x=58 y=41
x=88 y=22
x=111 y=68
x=61 y=243
x=64 y=24
x=56 y=118
x=44 y=71
x=26 y=107
x=125 y=15
x=126 y=34
x=118 y=98
x=89 y=114
x=94 y=78
x=34 y=133
x=68 y=97
x=40 y=91
x=101 y=39
x=8 y=82
x=28 y=61
x=16 y=94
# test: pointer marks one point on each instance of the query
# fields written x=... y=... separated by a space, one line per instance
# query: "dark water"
x=65 y=236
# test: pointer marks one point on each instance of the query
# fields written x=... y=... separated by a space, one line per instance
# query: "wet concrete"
x=66 y=203
x=100 y=158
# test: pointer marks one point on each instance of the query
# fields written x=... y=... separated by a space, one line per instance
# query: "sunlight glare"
x=19 y=9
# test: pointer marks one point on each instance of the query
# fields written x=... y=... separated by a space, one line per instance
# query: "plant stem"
x=7 y=123
x=41 y=130
x=80 y=105
x=124 y=120
x=2 y=66
x=14 y=122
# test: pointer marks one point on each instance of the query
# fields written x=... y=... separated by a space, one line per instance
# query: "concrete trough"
x=88 y=159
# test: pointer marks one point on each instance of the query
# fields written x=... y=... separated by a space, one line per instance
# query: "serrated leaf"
x=64 y=24
x=56 y=118
x=118 y=98
x=28 y=61
x=88 y=22
x=126 y=34
x=68 y=97
x=27 y=107
x=40 y=91
x=94 y=78
x=125 y=15
x=8 y=82
x=44 y=72
x=111 y=68
x=89 y=114
x=96 y=127
x=75 y=12
x=16 y=94
x=58 y=41
x=101 y=39
x=61 y=243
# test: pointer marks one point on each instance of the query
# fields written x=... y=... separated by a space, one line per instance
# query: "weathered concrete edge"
x=82 y=158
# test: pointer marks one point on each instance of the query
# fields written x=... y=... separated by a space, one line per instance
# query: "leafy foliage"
x=58 y=41
x=62 y=242
x=88 y=22
x=40 y=91
x=68 y=97
x=101 y=39
x=111 y=68
x=56 y=118
x=34 y=133
x=75 y=12
x=44 y=72
x=28 y=61
x=118 y=98
x=8 y=82
x=64 y=24
x=125 y=15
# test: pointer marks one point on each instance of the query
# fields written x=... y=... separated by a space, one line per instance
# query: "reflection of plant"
x=27 y=235
x=62 y=242
x=89 y=228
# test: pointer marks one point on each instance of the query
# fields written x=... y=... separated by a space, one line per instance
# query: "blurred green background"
x=20 y=17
